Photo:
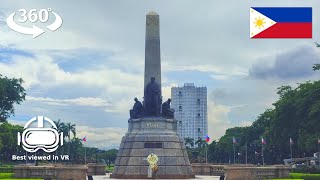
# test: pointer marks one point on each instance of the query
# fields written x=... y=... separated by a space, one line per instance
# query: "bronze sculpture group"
x=152 y=103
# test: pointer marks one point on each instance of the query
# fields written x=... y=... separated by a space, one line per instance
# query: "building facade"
x=190 y=105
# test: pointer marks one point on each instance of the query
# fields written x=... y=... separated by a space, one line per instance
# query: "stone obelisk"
x=152 y=49
x=152 y=132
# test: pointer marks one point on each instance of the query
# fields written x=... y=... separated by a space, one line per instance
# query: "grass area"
x=6 y=175
x=9 y=176
x=301 y=176
x=285 y=179
x=305 y=176
x=19 y=179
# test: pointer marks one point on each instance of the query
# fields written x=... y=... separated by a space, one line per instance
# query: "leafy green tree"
x=11 y=92
x=8 y=139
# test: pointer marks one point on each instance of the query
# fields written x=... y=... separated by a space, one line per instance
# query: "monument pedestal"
x=156 y=135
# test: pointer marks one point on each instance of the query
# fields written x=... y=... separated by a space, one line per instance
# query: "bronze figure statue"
x=137 y=110
x=152 y=98
x=166 y=110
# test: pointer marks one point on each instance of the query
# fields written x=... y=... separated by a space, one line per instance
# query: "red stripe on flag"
x=287 y=30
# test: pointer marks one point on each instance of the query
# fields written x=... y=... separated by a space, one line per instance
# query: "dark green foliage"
x=11 y=91
x=306 y=170
x=6 y=169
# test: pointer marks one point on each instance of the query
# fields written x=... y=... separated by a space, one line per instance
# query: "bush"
x=305 y=176
x=6 y=169
x=6 y=175
x=306 y=170
x=109 y=168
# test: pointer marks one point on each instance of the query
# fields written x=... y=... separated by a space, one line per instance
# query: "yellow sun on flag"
x=259 y=22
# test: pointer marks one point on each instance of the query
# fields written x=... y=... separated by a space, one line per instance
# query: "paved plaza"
x=107 y=176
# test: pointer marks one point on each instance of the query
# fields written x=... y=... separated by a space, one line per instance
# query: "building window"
x=180 y=93
x=180 y=108
x=198 y=114
x=198 y=101
x=198 y=129
x=180 y=122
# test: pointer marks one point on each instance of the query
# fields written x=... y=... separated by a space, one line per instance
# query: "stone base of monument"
x=152 y=135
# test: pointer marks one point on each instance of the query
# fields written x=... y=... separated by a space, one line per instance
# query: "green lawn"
x=305 y=176
x=302 y=176
x=19 y=179
x=9 y=176
x=6 y=175
x=285 y=179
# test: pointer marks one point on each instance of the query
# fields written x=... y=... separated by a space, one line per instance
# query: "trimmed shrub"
x=6 y=175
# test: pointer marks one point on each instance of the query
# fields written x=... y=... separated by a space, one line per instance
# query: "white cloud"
x=81 y=101
x=166 y=91
x=103 y=138
x=218 y=120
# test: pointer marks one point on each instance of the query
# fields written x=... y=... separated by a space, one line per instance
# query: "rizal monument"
x=152 y=143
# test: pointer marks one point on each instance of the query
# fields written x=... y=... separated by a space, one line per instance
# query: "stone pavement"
x=107 y=177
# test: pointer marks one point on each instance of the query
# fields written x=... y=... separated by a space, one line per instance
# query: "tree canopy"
x=11 y=91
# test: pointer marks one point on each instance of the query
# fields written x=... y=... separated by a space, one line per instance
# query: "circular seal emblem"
x=152 y=159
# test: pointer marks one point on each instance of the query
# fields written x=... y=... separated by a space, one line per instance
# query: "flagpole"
x=206 y=154
x=234 y=155
x=319 y=151
x=85 y=152
x=246 y=153
x=262 y=155
x=290 y=152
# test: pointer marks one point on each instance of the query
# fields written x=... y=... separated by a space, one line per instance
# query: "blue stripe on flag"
x=286 y=14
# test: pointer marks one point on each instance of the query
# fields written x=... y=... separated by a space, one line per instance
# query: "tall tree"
x=70 y=129
x=11 y=91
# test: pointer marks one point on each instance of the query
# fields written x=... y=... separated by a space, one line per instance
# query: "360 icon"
x=32 y=139
x=34 y=15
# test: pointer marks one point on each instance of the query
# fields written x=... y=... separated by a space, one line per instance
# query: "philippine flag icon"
x=280 y=22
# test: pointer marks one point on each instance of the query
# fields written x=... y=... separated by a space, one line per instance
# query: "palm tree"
x=189 y=141
x=75 y=146
x=202 y=145
x=61 y=128
x=70 y=128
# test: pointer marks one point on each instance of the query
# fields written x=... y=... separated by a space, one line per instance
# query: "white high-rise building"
x=190 y=105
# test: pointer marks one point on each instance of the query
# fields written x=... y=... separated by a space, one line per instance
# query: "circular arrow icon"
x=35 y=31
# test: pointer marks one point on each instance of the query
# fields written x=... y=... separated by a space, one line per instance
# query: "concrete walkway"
x=107 y=177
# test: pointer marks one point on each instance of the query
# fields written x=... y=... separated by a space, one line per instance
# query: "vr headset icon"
x=33 y=139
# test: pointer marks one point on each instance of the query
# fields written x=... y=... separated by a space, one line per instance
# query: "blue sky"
x=89 y=71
